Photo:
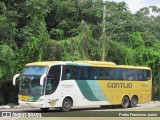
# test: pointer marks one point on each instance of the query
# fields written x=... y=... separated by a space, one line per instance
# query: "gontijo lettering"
x=119 y=85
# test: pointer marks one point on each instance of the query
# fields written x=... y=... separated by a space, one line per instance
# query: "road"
x=94 y=111
x=92 y=108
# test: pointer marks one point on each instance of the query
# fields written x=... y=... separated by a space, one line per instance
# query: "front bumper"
x=31 y=104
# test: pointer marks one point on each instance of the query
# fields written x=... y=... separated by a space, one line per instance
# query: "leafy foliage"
x=6 y=61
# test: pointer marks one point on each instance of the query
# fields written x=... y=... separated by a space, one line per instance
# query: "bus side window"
x=131 y=74
x=66 y=73
x=91 y=73
x=74 y=71
x=102 y=75
x=112 y=73
x=84 y=72
x=117 y=74
x=120 y=74
x=140 y=75
x=96 y=73
x=49 y=86
x=71 y=73
x=108 y=75
x=78 y=73
x=146 y=74
x=124 y=74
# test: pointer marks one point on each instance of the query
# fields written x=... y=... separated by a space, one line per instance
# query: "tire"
x=134 y=101
x=125 y=102
x=44 y=109
x=66 y=105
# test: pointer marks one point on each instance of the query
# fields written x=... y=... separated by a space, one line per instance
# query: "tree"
x=35 y=32
x=86 y=37
x=7 y=62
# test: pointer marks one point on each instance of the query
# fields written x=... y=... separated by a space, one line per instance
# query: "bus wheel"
x=125 y=102
x=134 y=101
x=66 y=105
x=44 y=109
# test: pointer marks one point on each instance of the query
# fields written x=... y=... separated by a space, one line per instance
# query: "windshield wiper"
x=30 y=88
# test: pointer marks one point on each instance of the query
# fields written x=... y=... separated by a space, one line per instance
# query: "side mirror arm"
x=42 y=79
x=14 y=78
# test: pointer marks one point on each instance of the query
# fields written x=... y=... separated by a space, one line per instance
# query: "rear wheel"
x=66 y=105
x=125 y=102
x=134 y=101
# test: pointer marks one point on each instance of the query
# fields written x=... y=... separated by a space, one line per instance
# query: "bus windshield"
x=30 y=85
x=35 y=70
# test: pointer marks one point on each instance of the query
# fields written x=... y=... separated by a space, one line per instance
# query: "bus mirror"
x=14 y=78
x=42 y=79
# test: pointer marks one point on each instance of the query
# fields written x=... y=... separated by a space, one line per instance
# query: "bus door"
x=52 y=94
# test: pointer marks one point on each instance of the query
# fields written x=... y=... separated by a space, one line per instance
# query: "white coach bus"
x=60 y=84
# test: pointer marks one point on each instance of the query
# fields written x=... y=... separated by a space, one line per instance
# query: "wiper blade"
x=30 y=88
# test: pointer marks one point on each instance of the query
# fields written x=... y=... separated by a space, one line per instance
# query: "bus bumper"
x=31 y=104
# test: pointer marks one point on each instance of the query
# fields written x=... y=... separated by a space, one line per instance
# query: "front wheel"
x=66 y=105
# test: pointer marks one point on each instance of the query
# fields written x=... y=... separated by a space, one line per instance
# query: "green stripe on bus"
x=86 y=91
x=91 y=90
x=97 y=91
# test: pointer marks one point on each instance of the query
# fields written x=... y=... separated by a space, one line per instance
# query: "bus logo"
x=119 y=85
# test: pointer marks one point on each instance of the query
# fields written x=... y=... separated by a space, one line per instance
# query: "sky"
x=135 y=5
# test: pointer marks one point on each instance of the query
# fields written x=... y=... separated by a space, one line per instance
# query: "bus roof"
x=110 y=64
x=49 y=63
x=86 y=63
x=45 y=63
x=133 y=67
x=96 y=62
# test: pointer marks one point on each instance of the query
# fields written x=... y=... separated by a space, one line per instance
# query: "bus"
x=67 y=84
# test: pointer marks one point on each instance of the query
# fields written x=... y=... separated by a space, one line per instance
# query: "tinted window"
x=101 y=73
x=35 y=70
x=69 y=72
x=132 y=74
